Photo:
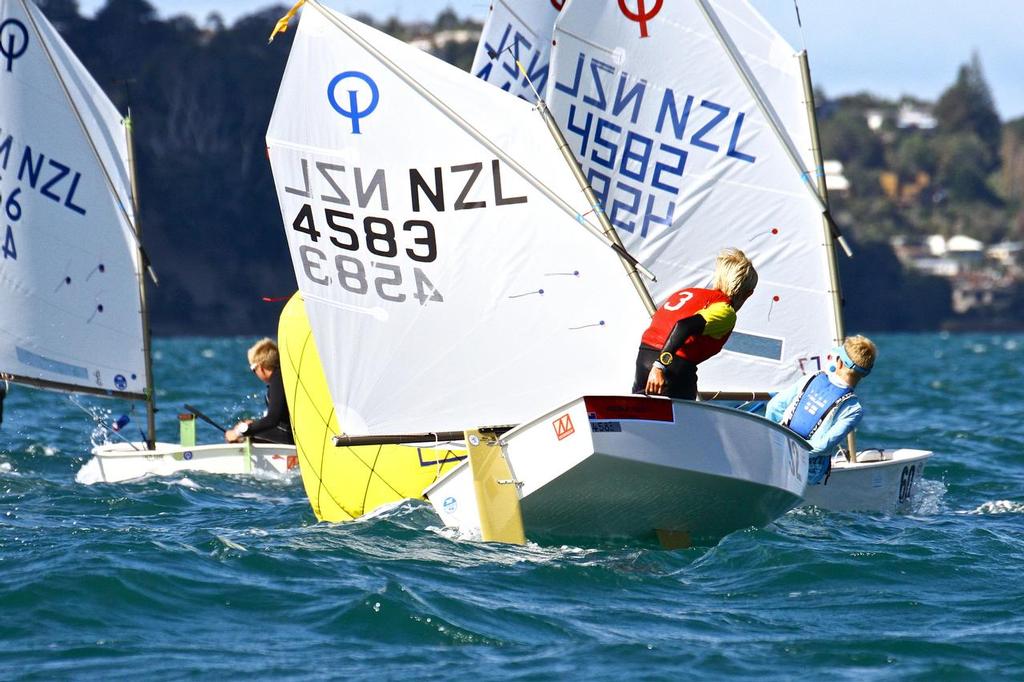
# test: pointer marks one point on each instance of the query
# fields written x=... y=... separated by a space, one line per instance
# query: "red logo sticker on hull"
x=563 y=427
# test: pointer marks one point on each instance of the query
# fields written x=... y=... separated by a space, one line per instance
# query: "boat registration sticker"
x=563 y=427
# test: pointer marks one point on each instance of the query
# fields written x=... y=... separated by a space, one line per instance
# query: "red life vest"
x=687 y=303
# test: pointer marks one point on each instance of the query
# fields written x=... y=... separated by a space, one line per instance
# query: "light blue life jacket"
x=812 y=404
x=818 y=397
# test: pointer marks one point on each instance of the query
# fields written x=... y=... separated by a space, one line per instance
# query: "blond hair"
x=861 y=350
x=735 y=275
x=264 y=353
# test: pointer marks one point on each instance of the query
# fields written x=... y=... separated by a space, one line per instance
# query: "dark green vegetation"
x=201 y=97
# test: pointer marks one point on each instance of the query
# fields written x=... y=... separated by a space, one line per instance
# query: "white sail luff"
x=767 y=110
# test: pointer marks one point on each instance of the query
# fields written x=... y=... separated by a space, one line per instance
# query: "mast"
x=833 y=268
x=819 y=172
x=143 y=304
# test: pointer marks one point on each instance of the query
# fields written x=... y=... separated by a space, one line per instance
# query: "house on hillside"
x=983 y=279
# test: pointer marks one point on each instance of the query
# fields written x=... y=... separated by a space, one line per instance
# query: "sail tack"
x=69 y=268
x=687 y=163
x=442 y=288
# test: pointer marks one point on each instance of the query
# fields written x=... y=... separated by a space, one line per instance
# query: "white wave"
x=186 y=482
x=90 y=473
x=998 y=507
x=928 y=495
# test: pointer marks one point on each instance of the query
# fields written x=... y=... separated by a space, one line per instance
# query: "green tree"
x=846 y=136
x=967 y=107
x=914 y=153
x=964 y=161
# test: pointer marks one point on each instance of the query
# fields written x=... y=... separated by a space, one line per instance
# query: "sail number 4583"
x=380 y=237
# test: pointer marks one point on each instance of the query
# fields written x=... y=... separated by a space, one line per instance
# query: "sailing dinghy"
x=73 y=317
x=456 y=282
x=696 y=121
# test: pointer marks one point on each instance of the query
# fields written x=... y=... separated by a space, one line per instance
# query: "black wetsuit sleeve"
x=684 y=329
x=277 y=408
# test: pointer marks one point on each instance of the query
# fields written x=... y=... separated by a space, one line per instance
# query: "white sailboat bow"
x=70 y=268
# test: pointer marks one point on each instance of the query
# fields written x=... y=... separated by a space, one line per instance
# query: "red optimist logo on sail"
x=563 y=427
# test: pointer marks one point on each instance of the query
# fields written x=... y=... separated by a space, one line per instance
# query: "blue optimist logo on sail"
x=13 y=41
x=354 y=84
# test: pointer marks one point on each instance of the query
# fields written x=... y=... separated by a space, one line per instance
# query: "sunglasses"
x=253 y=367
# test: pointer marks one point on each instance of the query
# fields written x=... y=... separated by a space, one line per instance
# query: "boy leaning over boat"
x=275 y=425
x=823 y=407
x=690 y=327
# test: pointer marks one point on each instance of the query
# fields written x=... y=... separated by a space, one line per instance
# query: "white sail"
x=69 y=267
x=444 y=288
x=517 y=31
x=672 y=139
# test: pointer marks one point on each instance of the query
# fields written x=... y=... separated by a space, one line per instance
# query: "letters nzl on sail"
x=607 y=111
x=373 y=220
x=34 y=170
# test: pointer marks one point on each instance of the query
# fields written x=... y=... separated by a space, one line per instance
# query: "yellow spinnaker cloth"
x=343 y=483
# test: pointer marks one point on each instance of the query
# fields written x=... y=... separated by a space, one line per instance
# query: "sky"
x=887 y=47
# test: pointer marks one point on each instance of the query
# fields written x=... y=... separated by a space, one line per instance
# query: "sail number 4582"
x=380 y=237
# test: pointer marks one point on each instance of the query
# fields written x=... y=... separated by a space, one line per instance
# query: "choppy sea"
x=201 y=576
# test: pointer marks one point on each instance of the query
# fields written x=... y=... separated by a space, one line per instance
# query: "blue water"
x=205 y=576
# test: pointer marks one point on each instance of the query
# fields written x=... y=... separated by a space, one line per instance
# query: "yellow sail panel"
x=344 y=483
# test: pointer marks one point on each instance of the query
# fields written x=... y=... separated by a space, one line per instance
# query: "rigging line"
x=85 y=130
x=468 y=127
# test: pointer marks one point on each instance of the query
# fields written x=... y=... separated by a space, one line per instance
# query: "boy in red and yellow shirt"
x=690 y=327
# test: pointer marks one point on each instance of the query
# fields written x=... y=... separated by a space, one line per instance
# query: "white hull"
x=634 y=467
x=885 y=485
x=122 y=461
